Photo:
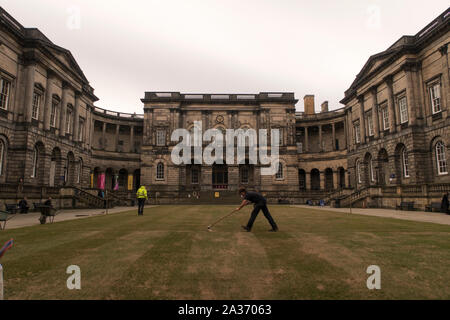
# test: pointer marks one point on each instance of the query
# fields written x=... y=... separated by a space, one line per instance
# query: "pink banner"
x=101 y=181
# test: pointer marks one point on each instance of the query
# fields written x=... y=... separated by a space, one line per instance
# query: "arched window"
x=160 y=171
x=35 y=162
x=80 y=170
x=279 y=175
x=405 y=163
x=358 y=171
x=371 y=172
x=2 y=156
x=441 y=160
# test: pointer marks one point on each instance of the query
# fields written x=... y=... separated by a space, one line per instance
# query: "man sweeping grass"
x=259 y=203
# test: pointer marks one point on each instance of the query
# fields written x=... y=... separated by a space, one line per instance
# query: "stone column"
x=233 y=177
x=204 y=124
x=362 y=122
x=103 y=136
x=306 y=140
x=206 y=177
x=308 y=180
x=335 y=179
x=320 y=138
x=322 y=180
x=349 y=132
x=376 y=130
x=333 y=129
x=63 y=111
x=391 y=104
x=116 y=142
x=131 y=138
x=409 y=69
x=348 y=178
x=48 y=100
x=76 y=116
x=29 y=91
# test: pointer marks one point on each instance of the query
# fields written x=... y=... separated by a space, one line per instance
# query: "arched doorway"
x=123 y=179
x=329 y=179
x=302 y=179
x=401 y=164
x=137 y=179
x=69 y=169
x=341 y=174
x=109 y=179
x=96 y=180
x=383 y=165
x=315 y=179
x=55 y=167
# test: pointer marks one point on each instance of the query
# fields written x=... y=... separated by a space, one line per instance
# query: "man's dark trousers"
x=141 y=203
x=256 y=208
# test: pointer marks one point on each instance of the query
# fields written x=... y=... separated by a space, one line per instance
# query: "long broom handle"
x=1 y=282
x=216 y=222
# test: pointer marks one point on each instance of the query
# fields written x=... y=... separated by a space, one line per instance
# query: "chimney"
x=309 y=104
x=324 y=106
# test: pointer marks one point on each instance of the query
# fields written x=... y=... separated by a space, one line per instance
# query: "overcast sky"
x=215 y=46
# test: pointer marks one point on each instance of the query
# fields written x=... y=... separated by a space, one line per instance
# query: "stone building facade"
x=389 y=143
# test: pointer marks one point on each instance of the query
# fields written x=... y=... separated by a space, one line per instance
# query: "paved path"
x=30 y=219
x=421 y=216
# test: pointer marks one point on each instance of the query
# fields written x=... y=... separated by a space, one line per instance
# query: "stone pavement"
x=421 y=216
x=30 y=219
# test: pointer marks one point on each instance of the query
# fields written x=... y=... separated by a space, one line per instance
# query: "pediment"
x=65 y=57
x=373 y=63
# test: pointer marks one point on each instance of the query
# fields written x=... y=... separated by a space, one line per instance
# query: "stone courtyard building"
x=388 y=144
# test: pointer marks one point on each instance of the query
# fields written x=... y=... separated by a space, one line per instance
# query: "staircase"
x=337 y=195
x=116 y=200
x=87 y=198
x=358 y=195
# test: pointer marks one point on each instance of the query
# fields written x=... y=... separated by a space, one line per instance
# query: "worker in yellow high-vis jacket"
x=141 y=195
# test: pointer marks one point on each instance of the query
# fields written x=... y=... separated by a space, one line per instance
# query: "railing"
x=118 y=114
x=83 y=196
x=206 y=97
x=220 y=186
x=411 y=189
x=110 y=195
x=439 y=188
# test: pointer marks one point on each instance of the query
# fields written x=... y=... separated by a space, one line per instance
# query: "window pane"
x=35 y=106
x=441 y=158
x=403 y=110
x=4 y=93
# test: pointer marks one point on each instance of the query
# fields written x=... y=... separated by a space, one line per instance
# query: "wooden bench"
x=11 y=207
x=409 y=206
x=433 y=205
x=4 y=217
x=37 y=206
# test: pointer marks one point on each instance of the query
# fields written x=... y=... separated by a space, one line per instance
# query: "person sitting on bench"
x=23 y=205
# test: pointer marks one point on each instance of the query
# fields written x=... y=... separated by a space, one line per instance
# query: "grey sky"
x=235 y=46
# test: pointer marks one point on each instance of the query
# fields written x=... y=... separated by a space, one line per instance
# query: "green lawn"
x=168 y=254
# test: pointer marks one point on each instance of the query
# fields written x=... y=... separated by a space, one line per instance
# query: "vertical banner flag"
x=116 y=182
x=130 y=182
x=101 y=181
